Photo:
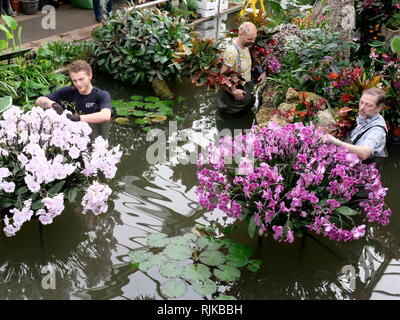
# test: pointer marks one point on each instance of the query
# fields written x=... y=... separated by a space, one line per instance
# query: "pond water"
x=90 y=254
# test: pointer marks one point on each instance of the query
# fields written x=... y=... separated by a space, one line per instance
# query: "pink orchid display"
x=44 y=159
x=280 y=180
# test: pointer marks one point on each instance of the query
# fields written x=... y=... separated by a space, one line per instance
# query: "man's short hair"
x=79 y=65
x=247 y=28
x=380 y=94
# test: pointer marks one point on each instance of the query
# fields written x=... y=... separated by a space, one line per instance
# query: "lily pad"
x=177 y=252
x=179 y=240
x=140 y=255
x=158 y=259
x=225 y=297
x=195 y=272
x=239 y=248
x=173 y=289
x=171 y=270
x=227 y=273
x=254 y=265
x=158 y=118
x=190 y=237
x=151 y=99
x=212 y=257
x=211 y=244
x=144 y=266
x=237 y=260
x=123 y=121
x=136 y=98
x=157 y=240
x=205 y=288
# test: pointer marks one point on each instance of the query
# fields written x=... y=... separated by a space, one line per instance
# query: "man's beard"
x=248 y=44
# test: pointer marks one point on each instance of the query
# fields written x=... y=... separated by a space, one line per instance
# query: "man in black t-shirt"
x=92 y=105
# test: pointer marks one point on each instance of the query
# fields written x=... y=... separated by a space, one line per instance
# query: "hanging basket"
x=29 y=7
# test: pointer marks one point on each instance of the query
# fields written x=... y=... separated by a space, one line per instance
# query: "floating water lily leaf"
x=212 y=257
x=179 y=240
x=144 y=266
x=195 y=272
x=211 y=244
x=190 y=237
x=173 y=289
x=227 y=273
x=237 y=260
x=140 y=255
x=158 y=118
x=139 y=113
x=205 y=288
x=123 y=121
x=177 y=252
x=141 y=121
x=224 y=297
x=158 y=259
x=239 y=248
x=228 y=243
x=165 y=111
x=157 y=240
x=151 y=99
x=181 y=99
x=134 y=104
x=136 y=97
x=149 y=114
x=254 y=265
x=171 y=270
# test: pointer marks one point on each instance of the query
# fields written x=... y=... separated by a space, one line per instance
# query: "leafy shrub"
x=62 y=53
x=138 y=45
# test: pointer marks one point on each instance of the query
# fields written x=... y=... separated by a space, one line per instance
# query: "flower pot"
x=207 y=5
x=29 y=7
x=389 y=34
x=396 y=131
x=15 y=5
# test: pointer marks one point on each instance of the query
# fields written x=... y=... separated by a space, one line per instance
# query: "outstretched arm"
x=103 y=115
x=44 y=102
x=362 y=152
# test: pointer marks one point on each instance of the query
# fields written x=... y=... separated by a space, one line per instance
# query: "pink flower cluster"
x=289 y=178
x=96 y=198
x=40 y=148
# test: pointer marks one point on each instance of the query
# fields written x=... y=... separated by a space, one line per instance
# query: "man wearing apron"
x=368 y=138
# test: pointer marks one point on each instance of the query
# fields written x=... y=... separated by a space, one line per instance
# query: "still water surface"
x=90 y=254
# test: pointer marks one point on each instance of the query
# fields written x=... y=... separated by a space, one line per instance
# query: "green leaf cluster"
x=137 y=45
x=199 y=261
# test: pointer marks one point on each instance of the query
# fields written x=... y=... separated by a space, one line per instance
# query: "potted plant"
x=15 y=5
x=29 y=7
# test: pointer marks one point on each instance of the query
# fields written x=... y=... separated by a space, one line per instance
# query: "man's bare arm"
x=362 y=152
x=103 y=115
x=44 y=102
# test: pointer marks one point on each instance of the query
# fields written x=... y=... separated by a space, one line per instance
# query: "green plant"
x=9 y=29
x=200 y=261
x=393 y=22
x=138 y=45
x=29 y=80
x=61 y=53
